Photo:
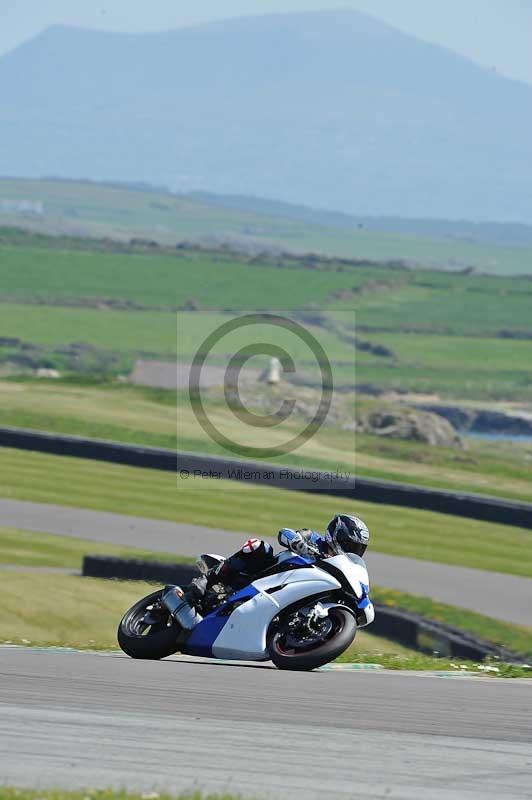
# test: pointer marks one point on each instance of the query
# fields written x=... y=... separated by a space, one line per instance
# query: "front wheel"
x=148 y=630
x=296 y=646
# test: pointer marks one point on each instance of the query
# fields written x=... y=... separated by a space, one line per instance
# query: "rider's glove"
x=298 y=541
x=298 y=544
x=303 y=545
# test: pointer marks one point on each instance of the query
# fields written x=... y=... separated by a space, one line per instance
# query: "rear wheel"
x=296 y=646
x=148 y=630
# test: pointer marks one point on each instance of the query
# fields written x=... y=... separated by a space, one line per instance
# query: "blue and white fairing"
x=355 y=570
x=240 y=632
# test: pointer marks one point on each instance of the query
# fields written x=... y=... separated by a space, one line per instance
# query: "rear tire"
x=343 y=635
x=151 y=642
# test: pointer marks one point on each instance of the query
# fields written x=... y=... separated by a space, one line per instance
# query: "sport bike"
x=300 y=613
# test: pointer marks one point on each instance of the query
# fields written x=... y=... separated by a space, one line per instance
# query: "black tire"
x=149 y=642
x=342 y=636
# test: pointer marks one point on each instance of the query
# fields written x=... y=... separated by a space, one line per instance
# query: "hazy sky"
x=495 y=33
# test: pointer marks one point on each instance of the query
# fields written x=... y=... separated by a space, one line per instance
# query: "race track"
x=91 y=720
x=505 y=597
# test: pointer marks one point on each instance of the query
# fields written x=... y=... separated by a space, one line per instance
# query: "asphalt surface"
x=504 y=597
x=88 y=720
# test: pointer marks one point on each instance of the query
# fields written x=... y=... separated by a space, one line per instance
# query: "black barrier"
x=191 y=466
x=132 y=569
x=404 y=627
x=433 y=638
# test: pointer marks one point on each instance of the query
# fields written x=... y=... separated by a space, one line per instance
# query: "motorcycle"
x=301 y=613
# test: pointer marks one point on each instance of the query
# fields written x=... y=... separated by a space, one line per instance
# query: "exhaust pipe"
x=181 y=610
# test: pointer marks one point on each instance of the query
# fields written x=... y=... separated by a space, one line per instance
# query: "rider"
x=345 y=534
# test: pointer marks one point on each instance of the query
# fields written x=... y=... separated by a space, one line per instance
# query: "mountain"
x=329 y=109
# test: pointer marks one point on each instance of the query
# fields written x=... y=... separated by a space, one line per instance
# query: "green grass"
x=418 y=662
x=443 y=328
x=70 y=612
x=517 y=638
x=458 y=365
x=142 y=416
x=449 y=304
x=240 y=506
x=32 y=549
x=130 y=332
x=13 y=793
x=164 y=280
x=107 y=211
x=384 y=298
x=441 y=353
x=450 y=384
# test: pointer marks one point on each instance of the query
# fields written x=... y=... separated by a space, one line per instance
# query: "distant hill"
x=497 y=233
x=330 y=109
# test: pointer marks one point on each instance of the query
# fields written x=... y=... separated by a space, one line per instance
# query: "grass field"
x=513 y=637
x=384 y=297
x=443 y=332
x=463 y=366
x=164 y=280
x=163 y=334
x=143 y=416
x=240 y=506
x=71 y=612
x=121 y=212
x=30 y=549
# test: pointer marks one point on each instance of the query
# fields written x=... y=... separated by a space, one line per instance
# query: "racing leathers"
x=256 y=555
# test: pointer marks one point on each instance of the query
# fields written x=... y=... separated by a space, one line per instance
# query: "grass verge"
x=12 y=793
x=64 y=610
x=134 y=415
x=504 y=634
x=256 y=509
x=417 y=662
x=31 y=549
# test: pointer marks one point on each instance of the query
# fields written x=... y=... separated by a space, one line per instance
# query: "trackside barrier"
x=194 y=465
x=132 y=569
x=420 y=633
x=400 y=626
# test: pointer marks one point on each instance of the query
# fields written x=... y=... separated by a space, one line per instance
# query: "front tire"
x=140 y=638
x=343 y=632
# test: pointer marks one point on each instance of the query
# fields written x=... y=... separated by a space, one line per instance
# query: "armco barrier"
x=194 y=466
x=403 y=627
